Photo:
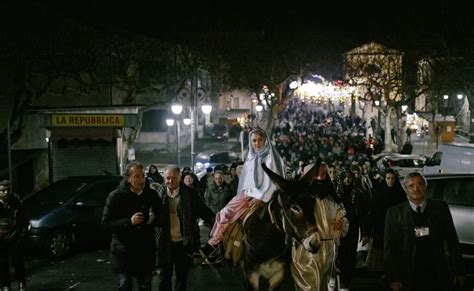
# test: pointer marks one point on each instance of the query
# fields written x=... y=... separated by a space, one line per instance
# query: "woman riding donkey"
x=255 y=187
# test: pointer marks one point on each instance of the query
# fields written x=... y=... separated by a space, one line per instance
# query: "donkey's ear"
x=309 y=176
x=279 y=181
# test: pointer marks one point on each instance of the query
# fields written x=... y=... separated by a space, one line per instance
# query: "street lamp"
x=404 y=108
x=177 y=108
x=206 y=108
x=266 y=98
x=170 y=122
x=293 y=85
x=187 y=121
x=377 y=105
x=445 y=105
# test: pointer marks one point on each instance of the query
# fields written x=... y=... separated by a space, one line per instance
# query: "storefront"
x=82 y=143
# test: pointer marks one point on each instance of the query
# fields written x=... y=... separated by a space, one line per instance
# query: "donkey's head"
x=296 y=207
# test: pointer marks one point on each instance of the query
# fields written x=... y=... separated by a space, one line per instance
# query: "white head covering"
x=253 y=180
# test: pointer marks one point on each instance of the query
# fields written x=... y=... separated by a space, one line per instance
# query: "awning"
x=83 y=133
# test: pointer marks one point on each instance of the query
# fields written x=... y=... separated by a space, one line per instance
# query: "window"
x=435 y=160
x=233 y=157
x=435 y=189
x=460 y=192
x=418 y=163
x=98 y=192
x=154 y=121
x=221 y=158
x=58 y=192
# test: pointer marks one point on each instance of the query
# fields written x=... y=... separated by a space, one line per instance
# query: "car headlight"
x=32 y=223
x=198 y=166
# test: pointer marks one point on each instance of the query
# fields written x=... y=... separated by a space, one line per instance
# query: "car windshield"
x=58 y=192
x=201 y=159
x=221 y=158
x=218 y=128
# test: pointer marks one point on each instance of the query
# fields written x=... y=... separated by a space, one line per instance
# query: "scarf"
x=253 y=180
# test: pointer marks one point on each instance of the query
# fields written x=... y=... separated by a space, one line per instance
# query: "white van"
x=451 y=159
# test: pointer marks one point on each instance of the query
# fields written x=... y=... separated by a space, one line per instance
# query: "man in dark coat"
x=421 y=247
x=129 y=214
x=218 y=193
x=12 y=228
x=180 y=206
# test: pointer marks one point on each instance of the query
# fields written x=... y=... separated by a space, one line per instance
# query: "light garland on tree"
x=325 y=92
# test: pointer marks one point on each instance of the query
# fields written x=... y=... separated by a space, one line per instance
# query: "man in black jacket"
x=175 y=237
x=129 y=214
x=421 y=247
x=12 y=228
x=218 y=193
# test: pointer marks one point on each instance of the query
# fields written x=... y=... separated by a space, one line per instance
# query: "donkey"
x=268 y=232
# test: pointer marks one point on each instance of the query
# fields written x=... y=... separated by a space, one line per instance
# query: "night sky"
x=357 y=21
x=422 y=27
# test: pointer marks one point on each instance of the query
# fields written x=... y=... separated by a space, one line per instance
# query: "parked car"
x=401 y=164
x=451 y=158
x=67 y=213
x=458 y=191
x=376 y=158
x=220 y=132
x=212 y=158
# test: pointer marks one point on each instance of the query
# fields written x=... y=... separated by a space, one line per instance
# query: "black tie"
x=418 y=209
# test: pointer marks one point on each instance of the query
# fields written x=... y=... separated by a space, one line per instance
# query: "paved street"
x=90 y=270
x=424 y=146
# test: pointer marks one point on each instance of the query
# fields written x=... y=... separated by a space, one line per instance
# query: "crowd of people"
x=354 y=202
x=154 y=218
x=301 y=135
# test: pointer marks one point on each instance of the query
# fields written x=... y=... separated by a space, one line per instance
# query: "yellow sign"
x=87 y=120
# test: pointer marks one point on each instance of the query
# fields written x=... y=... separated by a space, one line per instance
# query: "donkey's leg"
x=274 y=272
x=254 y=280
x=276 y=279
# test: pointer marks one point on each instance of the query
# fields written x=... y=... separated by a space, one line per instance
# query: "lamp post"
x=266 y=98
x=404 y=108
x=460 y=114
x=377 y=105
x=445 y=106
x=259 y=108
x=170 y=122
x=177 y=108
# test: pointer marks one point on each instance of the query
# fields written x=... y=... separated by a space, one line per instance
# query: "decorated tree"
x=376 y=71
